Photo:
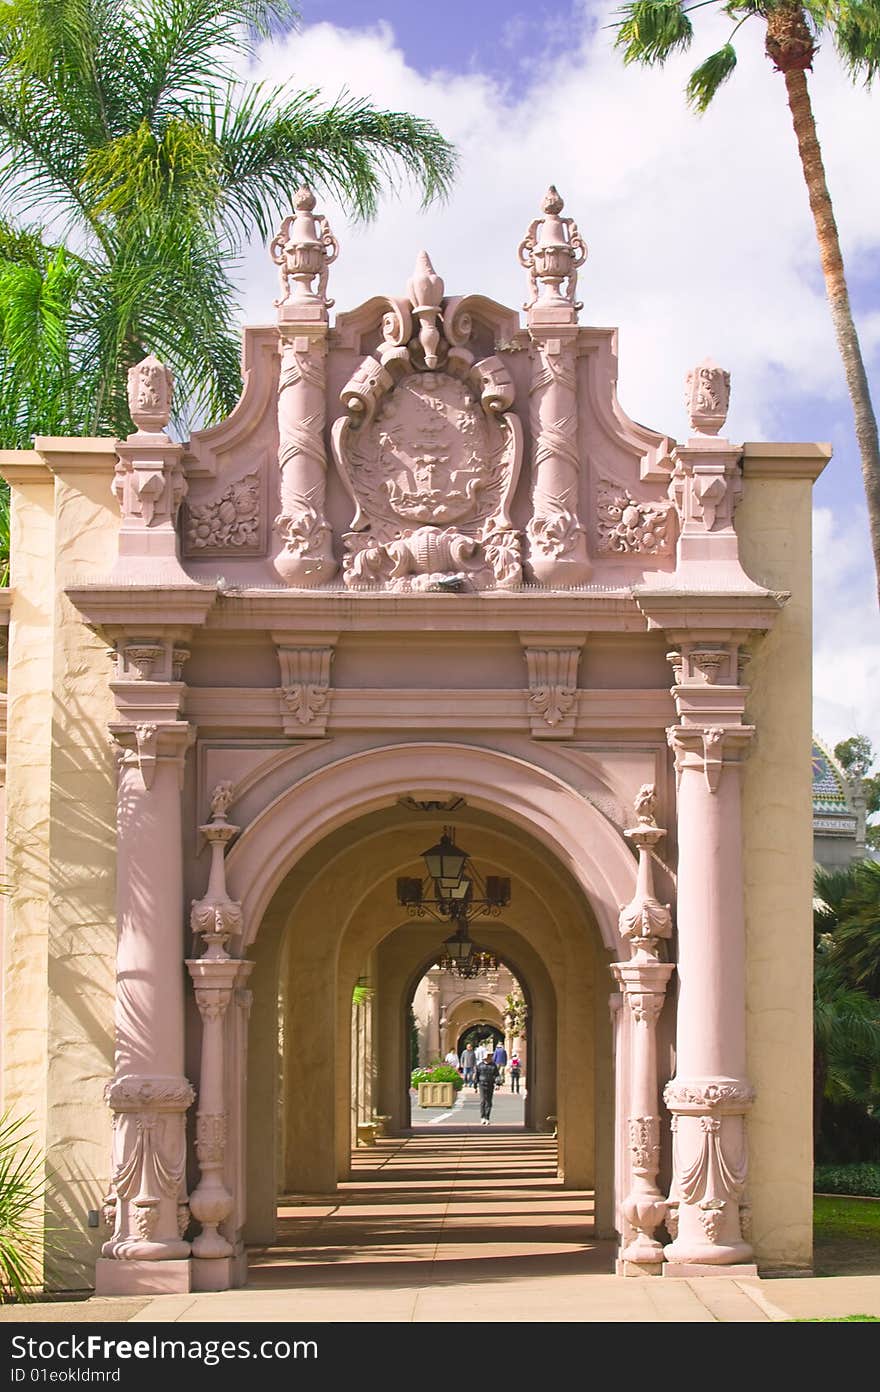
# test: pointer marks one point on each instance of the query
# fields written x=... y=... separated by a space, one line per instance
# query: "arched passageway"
x=332 y=920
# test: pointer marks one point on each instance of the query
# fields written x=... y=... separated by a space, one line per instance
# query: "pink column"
x=149 y=1095
x=710 y=1094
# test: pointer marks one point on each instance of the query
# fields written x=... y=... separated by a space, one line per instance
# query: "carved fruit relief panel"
x=231 y=524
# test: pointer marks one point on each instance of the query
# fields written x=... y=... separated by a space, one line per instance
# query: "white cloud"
x=846 y=665
x=700 y=235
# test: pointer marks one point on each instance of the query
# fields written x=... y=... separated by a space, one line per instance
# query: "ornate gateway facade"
x=427 y=571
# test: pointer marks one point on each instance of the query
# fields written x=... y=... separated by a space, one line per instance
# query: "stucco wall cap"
x=81 y=456
x=785 y=460
x=23 y=466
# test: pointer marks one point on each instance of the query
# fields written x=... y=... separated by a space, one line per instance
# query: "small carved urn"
x=150 y=387
x=707 y=397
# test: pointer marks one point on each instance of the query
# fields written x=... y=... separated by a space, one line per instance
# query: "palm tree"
x=651 y=30
x=846 y=1016
x=123 y=122
x=854 y=895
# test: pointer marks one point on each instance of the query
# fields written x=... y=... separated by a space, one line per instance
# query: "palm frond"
x=271 y=142
x=705 y=80
x=21 y=1195
x=857 y=37
x=652 y=30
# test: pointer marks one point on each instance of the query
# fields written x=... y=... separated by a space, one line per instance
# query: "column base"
x=629 y=1268
x=736 y=1271
x=220 y=1273
x=143 y=1277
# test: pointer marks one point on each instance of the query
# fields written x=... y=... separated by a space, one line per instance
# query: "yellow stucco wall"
x=61 y=811
x=774 y=523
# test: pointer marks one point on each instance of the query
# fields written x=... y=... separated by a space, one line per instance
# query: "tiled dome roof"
x=830 y=793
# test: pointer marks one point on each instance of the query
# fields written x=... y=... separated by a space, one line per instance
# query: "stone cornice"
x=563 y=612
x=716 y=615
x=128 y=608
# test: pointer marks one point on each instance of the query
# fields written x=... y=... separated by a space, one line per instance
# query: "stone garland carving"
x=557 y=538
x=305 y=690
x=430 y=453
x=307 y=556
x=552 y=695
x=711 y=1095
x=303 y=249
x=230 y=522
x=629 y=527
x=149 y=1162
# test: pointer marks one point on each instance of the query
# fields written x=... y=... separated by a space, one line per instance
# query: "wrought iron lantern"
x=448 y=894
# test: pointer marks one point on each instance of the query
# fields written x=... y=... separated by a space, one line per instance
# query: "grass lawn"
x=846 y=1234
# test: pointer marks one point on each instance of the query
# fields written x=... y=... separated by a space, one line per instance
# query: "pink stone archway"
x=528 y=796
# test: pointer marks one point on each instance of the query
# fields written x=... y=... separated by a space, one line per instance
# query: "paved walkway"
x=446 y=1220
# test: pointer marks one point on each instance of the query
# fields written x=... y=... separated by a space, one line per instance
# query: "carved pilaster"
x=216 y=917
x=304 y=250
x=552 y=252
x=148 y=1167
x=552 y=693
x=305 y=694
x=644 y=923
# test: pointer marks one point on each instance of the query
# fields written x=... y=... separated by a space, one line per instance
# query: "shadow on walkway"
x=437 y=1210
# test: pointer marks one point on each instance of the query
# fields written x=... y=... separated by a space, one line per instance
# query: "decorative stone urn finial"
x=150 y=390
x=551 y=251
x=304 y=248
x=707 y=397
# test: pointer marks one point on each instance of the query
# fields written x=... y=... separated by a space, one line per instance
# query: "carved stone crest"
x=707 y=397
x=429 y=453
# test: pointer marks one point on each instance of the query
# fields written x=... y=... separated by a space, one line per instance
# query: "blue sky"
x=701 y=239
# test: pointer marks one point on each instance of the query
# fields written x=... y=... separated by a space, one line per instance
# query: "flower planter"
x=436 y=1094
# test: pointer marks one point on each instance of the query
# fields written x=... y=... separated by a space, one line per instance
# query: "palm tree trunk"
x=838 y=298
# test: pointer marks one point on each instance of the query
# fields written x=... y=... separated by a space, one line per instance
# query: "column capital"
x=709 y=748
x=150 y=743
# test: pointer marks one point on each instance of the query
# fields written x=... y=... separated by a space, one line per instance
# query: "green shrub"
x=847 y=1179
x=438 y=1073
x=21 y=1189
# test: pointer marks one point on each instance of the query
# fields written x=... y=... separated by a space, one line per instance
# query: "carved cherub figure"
x=221 y=800
x=644 y=804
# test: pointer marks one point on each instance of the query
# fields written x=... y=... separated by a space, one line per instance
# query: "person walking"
x=487 y=1074
x=468 y=1063
x=452 y=1059
x=515 y=1072
x=499 y=1058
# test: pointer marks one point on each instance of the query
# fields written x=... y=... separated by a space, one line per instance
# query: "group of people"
x=484 y=1069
